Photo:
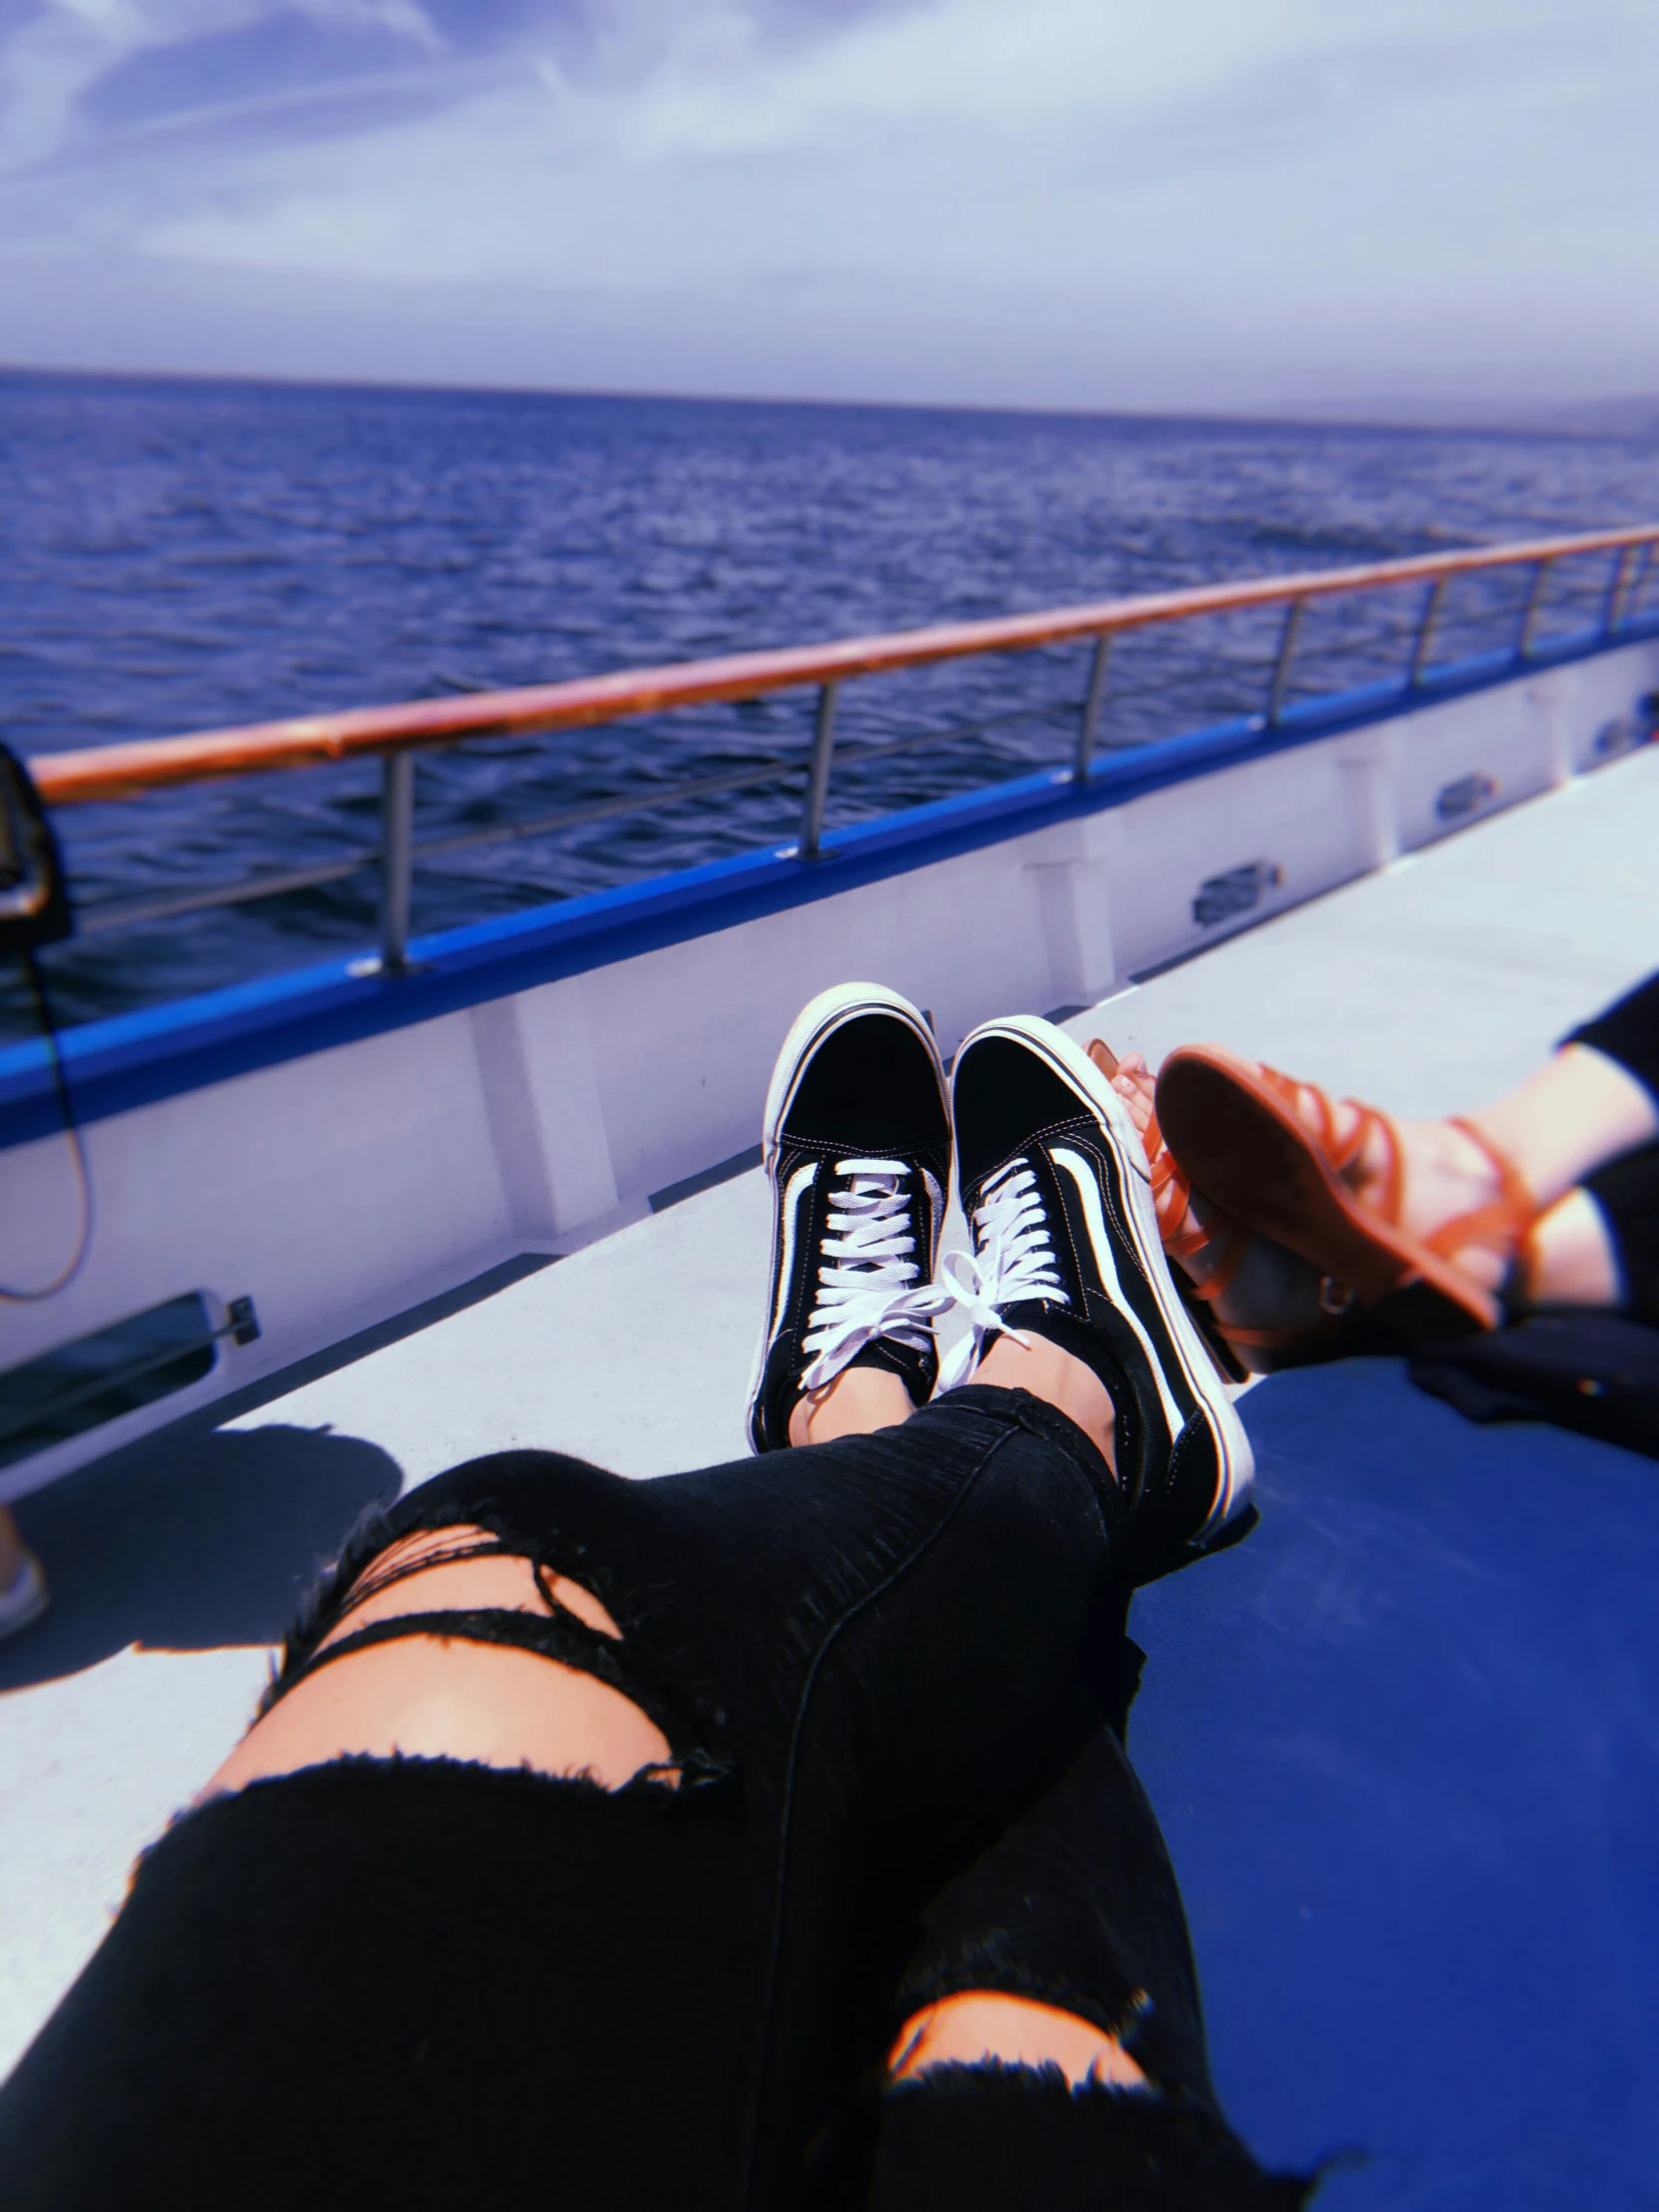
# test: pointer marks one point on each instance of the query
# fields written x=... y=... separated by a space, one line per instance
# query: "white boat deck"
x=1429 y=987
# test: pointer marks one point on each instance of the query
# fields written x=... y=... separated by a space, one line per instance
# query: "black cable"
x=72 y=1130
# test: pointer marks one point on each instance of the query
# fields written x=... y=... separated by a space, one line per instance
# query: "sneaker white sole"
x=1198 y=1369
x=817 y=1019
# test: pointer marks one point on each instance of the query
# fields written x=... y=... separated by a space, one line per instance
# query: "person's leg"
x=1599 y=1245
x=1581 y=1132
x=1579 y=1111
x=826 y=1672
x=1448 y=1202
x=1051 y=2045
x=1628 y=1033
x=1570 y=1257
x=858 y=1660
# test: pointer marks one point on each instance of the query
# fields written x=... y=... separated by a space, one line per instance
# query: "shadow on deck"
x=190 y=1541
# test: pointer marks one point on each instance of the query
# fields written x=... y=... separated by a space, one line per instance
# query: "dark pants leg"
x=1075 y=1906
x=1627 y=1191
x=1628 y=1032
x=413 y=1977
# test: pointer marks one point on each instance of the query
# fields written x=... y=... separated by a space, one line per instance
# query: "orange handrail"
x=121 y=770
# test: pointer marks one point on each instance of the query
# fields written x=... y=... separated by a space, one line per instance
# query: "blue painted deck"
x=1405 y=1743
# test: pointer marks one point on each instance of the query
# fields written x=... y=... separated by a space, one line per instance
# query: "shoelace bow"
x=1012 y=1259
x=874 y=1289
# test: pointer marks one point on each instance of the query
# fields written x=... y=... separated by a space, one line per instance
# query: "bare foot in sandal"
x=1426 y=1219
x=1578 y=1111
x=1426 y=1175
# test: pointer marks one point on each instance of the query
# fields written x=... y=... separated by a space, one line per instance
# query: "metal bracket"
x=1092 y=703
x=396 y=859
x=1281 y=685
x=817 y=776
x=1425 y=643
x=1612 y=613
x=1530 y=613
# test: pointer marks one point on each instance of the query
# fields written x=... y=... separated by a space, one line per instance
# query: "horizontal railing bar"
x=98 y=919
x=101 y=919
x=847 y=757
x=957 y=729
x=107 y=914
x=635 y=802
x=121 y=770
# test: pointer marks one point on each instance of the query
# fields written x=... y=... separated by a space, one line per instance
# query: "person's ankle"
x=1045 y=1370
x=858 y=1402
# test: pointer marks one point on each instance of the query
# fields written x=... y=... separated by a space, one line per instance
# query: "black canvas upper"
x=869 y=1090
x=1010 y=1104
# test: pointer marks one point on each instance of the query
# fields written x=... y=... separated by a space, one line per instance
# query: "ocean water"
x=181 y=555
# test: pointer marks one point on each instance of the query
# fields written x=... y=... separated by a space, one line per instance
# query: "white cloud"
x=1084 y=196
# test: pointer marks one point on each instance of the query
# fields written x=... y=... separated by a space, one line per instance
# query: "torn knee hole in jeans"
x=494 y=1578
x=470 y=1583
x=988 y=2027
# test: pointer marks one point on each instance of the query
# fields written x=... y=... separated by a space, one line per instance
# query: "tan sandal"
x=1242 y=1351
x=1238 y=1132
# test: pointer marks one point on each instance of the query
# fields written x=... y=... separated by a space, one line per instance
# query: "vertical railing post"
x=818 y=774
x=1280 y=687
x=1094 y=699
x=1425 y=643
x=1638 y=582
x=396 y=858
x=1613 y=608
x=1530 y=613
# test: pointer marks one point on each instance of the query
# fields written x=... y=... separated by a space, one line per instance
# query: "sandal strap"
x=1369 y=1124
x=1171 y=1187
x=1182 y=1233
x=1228 y=1241
x=1503 y=1222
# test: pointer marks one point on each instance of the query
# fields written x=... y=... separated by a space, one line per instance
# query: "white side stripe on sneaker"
x=1013 y=1259
x=1088 y=1193
x=799 y=1183
x=872 y=1290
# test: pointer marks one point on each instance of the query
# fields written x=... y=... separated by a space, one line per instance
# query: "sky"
x=1387 y=207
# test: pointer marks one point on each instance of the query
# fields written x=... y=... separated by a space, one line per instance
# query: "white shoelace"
x=1012 y=1259
x=874 y=1289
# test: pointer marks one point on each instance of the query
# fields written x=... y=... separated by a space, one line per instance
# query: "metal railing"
x=396 y=734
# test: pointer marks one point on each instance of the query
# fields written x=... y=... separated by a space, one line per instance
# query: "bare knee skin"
x=434 y=1696
x=980 y=2026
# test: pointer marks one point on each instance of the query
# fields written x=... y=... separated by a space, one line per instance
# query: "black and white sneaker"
x=856 y=1144
x=1056 y=1187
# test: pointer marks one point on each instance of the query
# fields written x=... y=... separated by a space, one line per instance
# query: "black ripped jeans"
x=886 y=1667
x=1626 y=1191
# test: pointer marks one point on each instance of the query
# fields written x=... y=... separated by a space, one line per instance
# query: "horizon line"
x=1303 y=416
